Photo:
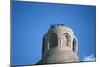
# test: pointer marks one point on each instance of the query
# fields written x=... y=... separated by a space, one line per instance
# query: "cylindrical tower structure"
x=59 y=45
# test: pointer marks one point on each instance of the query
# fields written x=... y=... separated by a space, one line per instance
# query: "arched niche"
x=53 y=40
x=74 y=44
x=43 y=45
x=67 y=39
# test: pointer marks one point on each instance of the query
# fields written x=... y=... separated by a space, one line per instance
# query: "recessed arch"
x=68 y=39
x=44 y=45
x=53 y=40
x=74 y=44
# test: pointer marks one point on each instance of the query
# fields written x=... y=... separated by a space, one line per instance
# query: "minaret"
x=59 y=45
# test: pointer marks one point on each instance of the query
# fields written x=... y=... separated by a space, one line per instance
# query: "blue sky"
x=30 y=21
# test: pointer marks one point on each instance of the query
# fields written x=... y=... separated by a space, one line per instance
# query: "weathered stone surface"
x=59 y=45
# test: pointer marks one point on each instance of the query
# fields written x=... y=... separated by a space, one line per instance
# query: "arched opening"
x=74 y=44
x=44 y=44
x=53 y=40
x=67 y=38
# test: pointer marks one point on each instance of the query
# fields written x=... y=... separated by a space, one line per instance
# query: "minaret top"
x=61 y=27
x=59 y=45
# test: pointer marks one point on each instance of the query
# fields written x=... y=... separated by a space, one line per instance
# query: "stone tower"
x=59 y=45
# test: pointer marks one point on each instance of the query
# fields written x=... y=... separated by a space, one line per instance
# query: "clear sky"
x=30 y=21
